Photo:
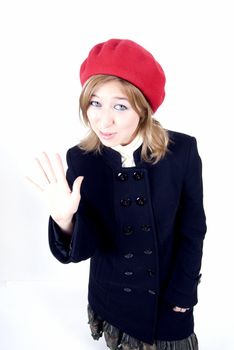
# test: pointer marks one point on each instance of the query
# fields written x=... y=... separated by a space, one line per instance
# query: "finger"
x=58 y=167
x=34 y=183
x=47 y=168
x=177 y=309
x=44 y=179
x=180 y=309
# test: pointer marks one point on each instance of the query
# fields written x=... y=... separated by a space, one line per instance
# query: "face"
x=111 y=115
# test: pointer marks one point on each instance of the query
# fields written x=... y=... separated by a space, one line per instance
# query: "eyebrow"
x=115 y=97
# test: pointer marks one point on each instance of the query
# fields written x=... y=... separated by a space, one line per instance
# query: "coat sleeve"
x=190 y=232
x=81 y=244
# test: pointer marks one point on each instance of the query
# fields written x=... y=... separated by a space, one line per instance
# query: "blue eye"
x=95 y=103
x=120 y=107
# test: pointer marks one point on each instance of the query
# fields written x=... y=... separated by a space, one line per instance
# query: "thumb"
x=76 y=186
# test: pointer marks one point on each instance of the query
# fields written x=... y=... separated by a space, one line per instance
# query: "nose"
x=106 y=119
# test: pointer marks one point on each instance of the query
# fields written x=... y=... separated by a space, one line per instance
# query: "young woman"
x=132 y=202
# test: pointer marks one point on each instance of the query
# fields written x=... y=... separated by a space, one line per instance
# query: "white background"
x=43 y=302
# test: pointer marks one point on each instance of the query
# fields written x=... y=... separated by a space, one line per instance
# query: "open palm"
x=52 y=184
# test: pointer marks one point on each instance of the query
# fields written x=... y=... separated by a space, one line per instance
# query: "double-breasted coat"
x=143 y=228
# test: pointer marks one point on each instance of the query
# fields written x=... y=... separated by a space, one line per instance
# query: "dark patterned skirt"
x=118 y=340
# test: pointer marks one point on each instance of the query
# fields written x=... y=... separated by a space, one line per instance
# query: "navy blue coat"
x=143 y=228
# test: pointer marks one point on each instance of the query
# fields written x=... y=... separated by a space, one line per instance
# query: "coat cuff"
x=60 y=242
x=78 y=246
x=186 y=294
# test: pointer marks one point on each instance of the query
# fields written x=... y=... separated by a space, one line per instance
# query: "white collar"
x=131 y=147
x=128 y=150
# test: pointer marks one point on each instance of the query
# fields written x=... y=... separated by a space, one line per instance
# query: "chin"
x=110 y=143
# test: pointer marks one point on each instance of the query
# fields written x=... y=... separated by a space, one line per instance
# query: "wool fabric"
x=130 y=61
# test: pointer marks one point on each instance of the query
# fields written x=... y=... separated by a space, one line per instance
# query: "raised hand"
x=52 y=184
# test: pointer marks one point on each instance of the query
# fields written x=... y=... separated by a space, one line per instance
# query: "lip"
x=107 y=135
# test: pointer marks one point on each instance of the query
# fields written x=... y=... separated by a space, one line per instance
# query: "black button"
x=128 y=290
x=128 y=230
x=151 y=291
x=148 y=251
x=122 y=176
x=128 y=273
x=126 y=202
x=138 y=175
x=151 y=272
x=128 y=255
x=140 y=200
x=146 y=228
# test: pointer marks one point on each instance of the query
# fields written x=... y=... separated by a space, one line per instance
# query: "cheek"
x=92 y=117
x=89 y=114
x=131 y=123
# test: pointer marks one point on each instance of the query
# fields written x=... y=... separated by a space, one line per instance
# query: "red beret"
x=130 y=61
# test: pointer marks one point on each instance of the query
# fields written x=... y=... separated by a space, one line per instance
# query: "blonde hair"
x=155 y=137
